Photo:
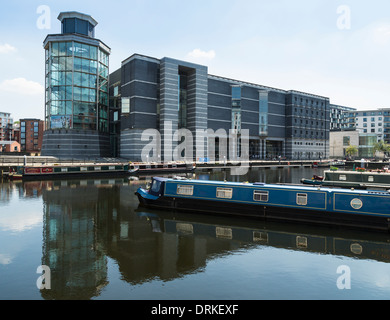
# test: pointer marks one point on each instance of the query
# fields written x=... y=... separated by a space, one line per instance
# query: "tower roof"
x=75 y=14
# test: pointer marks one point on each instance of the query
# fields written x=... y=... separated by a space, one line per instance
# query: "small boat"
x=294 y=203
x=55 y=171
x=360 y=178
x=154 y=167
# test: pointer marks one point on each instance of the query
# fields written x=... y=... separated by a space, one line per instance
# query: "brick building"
x=31 y=135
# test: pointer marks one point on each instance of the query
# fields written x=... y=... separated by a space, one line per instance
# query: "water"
x=99 y=245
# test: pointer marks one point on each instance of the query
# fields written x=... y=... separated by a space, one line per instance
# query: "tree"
x=381 y=146
x=351 y=151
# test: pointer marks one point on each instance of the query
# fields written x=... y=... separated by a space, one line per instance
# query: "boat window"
x=155 y=186
x=302 y=199
x=185 y=190
x=225 y=193
x=260 y=195
x=343 y=177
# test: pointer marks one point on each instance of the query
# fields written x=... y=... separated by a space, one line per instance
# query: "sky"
x=333 y=48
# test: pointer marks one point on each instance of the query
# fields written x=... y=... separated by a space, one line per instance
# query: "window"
x=225 y=193
x=156 y=186
x=260 y=196
x=302 y=199
x=125 y=105
x=236 y=109
x=185 y=190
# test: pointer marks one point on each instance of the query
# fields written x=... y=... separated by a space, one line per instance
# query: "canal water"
x=88 y=239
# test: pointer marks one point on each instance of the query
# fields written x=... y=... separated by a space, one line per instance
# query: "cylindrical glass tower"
x=76 y=86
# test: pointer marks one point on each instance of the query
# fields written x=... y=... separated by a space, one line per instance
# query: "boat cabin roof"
x=269 y=186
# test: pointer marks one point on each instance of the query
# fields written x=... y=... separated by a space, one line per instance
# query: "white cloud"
x=5 y=259
x=22 y=86
x=199 y=54
x=382 y=34
x=20 y=221
x=7 y=48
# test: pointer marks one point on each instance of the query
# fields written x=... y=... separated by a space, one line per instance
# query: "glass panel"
x=59 y=122
x=68 y=92
x=68 y=80
x=85 y=50
x=77 y=64
x=93 y=52
x=54 y=49
x=92 y=81
x=263 y=113
x=92 y=95
x=76 y=93
x=55 y=64
x=78 y=49
x=103 y=98
x=69 y=48
x=77 y=78
x=84 y=94
x=85 y=65
x=84 y=80
x=68 y=109
x=93 y=66
x=62 y=78
x=125 y=105
x=62 y=48
x=236 y=93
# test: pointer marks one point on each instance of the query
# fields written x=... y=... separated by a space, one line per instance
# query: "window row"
x=77 y=78
x=78 y=122
x=68 y=48
x=79 y=94
x=227 y=193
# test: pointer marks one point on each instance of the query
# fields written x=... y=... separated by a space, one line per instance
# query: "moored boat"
x=154 y=167
x=360 y=178
x=341 y=207
x=53 y=171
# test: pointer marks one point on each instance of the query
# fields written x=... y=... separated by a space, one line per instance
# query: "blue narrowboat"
x=294 y=203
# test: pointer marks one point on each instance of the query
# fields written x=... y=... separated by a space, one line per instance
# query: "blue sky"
x=338 y=49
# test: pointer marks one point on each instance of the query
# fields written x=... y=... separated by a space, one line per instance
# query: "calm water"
x=99 y=245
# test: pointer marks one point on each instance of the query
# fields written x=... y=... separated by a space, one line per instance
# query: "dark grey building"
x=76 y=90
x=168 y=94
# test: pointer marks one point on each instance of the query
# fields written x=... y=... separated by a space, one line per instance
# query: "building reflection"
x=86 y=223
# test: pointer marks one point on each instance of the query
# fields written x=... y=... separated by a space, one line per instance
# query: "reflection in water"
x=88 y=221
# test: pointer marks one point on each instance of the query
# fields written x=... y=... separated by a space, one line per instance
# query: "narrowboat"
x=361 y=179
x=294 y=203
x=154 y=167
x=55 y=171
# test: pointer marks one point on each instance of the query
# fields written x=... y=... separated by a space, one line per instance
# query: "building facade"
x=168 y=94
x=31 y=135
x=76 y=87
x=340 y=119
x=6 y=126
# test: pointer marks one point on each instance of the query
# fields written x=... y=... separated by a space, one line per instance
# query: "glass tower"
x=76 y=84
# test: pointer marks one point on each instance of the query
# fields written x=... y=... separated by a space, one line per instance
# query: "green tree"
x=381 y=146
x=351 y=151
